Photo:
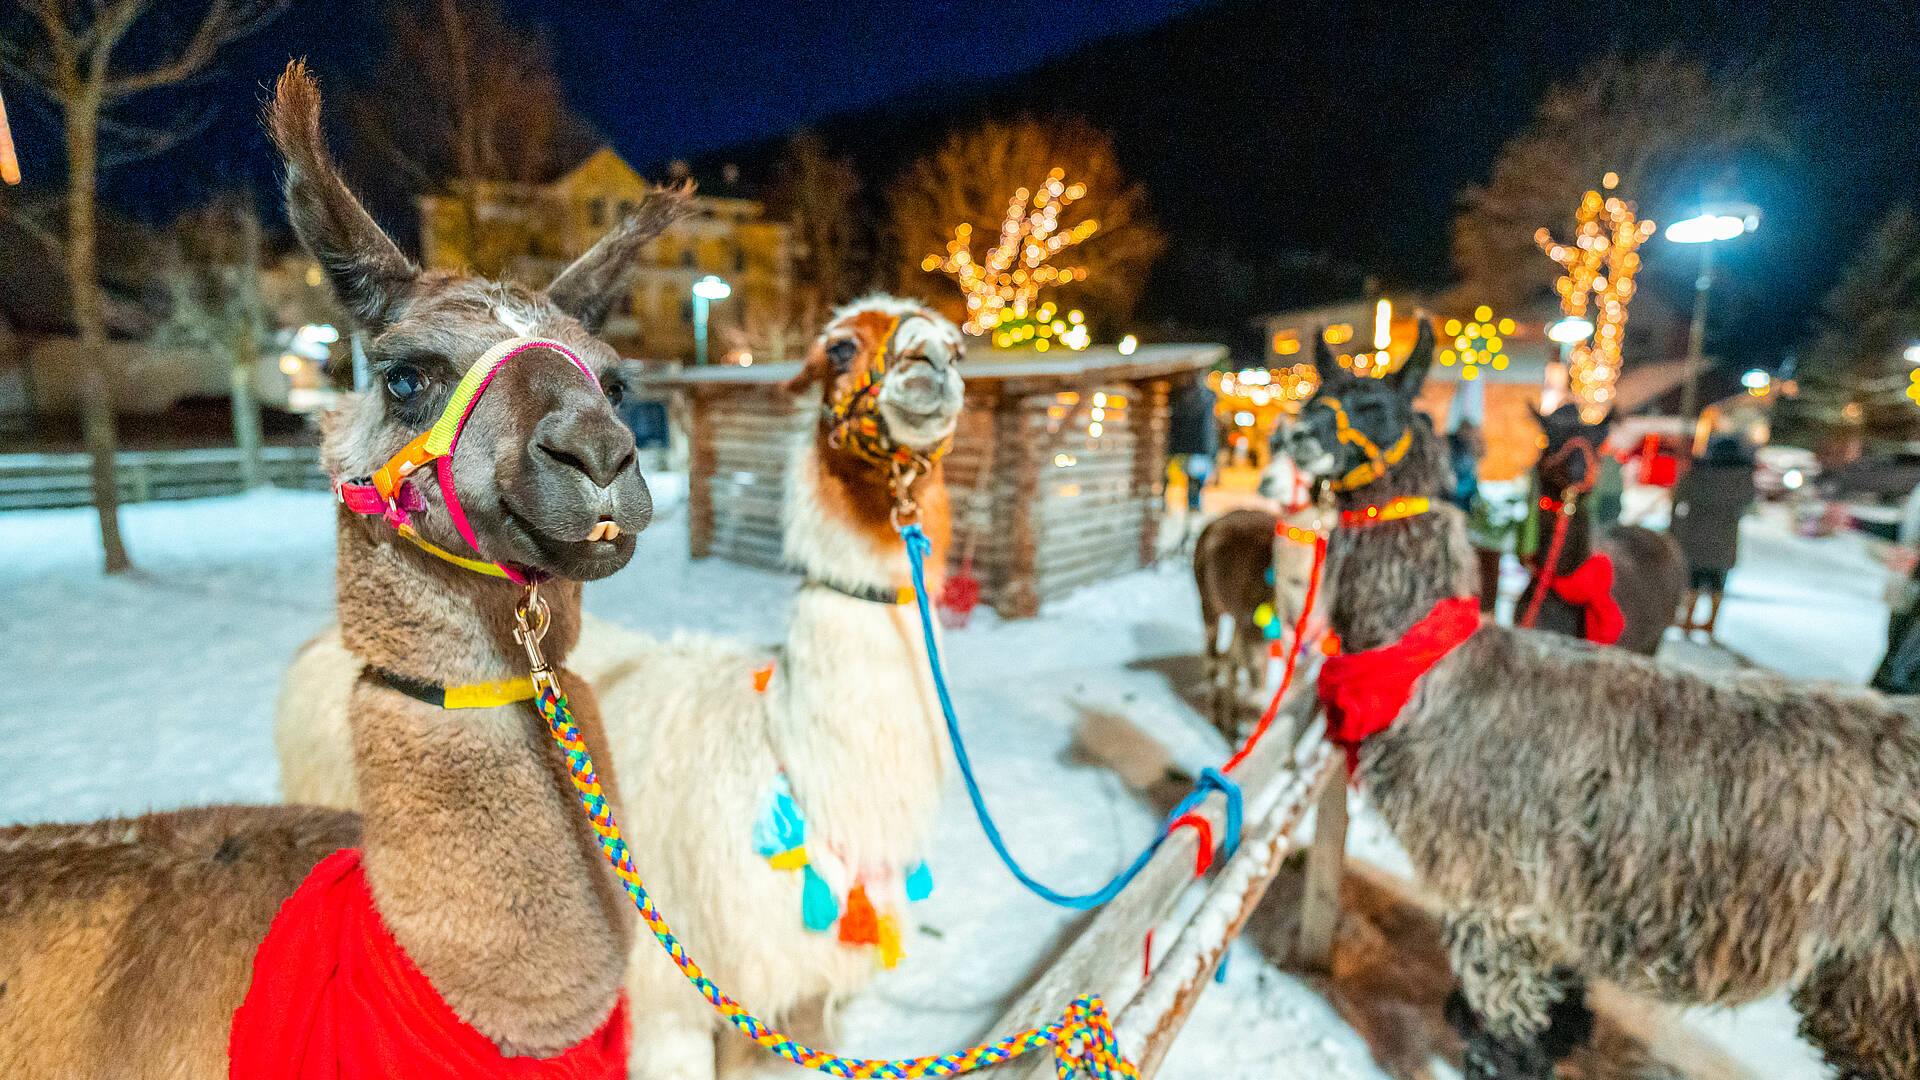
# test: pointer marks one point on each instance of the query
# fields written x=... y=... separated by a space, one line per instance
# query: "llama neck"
x=1386 y=577
x=1578 y=544
x=855 y=719
x=479 y=860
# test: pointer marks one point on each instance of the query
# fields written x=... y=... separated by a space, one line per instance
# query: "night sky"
x=1267 y=135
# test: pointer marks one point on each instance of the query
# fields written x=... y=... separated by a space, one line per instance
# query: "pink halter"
x=387 y=493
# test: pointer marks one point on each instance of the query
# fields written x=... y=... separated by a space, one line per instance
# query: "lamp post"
x=705 y=291
x=1706 y=229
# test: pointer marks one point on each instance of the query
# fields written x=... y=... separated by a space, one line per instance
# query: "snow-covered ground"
x=157 y=690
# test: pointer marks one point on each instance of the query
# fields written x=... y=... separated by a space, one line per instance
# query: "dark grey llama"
x=1588 y=813
x=1649 y=572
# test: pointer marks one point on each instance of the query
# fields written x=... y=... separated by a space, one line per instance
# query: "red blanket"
x=1590 y=588
x=334 y=998
x=1364 y=692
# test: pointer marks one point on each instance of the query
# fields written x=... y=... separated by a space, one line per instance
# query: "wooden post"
x=1021 y=427
x=701 y=462
x=1326 y=861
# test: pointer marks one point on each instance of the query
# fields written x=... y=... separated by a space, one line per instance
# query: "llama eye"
x=404 y=381
x=841 y=354
x=616 y=389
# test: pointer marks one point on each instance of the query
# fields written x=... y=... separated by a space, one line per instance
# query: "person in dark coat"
x=1192 y=436
x=1708 y=503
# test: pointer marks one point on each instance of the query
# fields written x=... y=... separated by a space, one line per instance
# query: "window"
x=686 y=312
x=626 y=209
x=739 y=258
x=597 y=212
x=686 y=256
x=625 y=306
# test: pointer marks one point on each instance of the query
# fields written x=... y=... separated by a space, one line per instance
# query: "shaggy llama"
x=126 y=946
x=1649 y=572
x=1588 y=813
x=706 y=733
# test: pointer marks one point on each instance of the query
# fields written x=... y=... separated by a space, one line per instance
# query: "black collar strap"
x=873 y=594
x=470 y=696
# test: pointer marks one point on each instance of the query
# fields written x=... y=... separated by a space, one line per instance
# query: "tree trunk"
x=246 y=351
x=468 y=150
x=96 y=387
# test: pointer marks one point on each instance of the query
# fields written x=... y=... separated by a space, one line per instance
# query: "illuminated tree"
x=1600 y=263
x=1002 y=287
x=1866 y=322
x=970 y=180
x=1655 y=122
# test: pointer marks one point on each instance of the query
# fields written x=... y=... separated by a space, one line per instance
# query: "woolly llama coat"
x=1690 y=837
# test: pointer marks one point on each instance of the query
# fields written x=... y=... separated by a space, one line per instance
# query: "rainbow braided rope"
x=1082 y=1039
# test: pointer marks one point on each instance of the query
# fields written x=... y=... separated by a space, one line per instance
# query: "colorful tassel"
x=919 y=883
x=818 y=909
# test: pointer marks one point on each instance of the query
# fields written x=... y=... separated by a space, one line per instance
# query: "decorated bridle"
x=852 y=420
x=1563 y=510
x=388 y=493
x=1377 y=461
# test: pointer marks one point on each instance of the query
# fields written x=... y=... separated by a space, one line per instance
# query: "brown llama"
x=127 y=946
x=1585 y=812
x=843 y=720
x=1649 y=573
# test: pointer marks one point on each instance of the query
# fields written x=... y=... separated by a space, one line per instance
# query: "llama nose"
x=920 y=381
x=599 y=447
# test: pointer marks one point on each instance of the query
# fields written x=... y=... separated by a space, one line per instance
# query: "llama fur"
x=1700 y=838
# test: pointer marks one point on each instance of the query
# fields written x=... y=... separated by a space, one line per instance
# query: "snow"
x=156 y=691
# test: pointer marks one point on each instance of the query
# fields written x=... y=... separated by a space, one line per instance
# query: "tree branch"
x=224 y=21
x=140 y=141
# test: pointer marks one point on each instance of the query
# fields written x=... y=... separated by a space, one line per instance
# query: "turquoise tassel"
x=919 y=883
x=781 y=826
x=818 y=908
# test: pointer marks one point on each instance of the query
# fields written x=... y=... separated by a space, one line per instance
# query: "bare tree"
x=213 y=278
x=464 y=97
x=1656 y=122
x=72 y=62
x=970 y=179
x=815 y=192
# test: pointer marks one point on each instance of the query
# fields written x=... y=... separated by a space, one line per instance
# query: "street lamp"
x=1912 y=353
x=705 y=291
x=1571 y=330
x=1706 y=228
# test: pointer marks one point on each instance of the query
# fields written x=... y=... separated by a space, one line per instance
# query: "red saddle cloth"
x=333 y=997
x=1590 y=588
x=1364 y=692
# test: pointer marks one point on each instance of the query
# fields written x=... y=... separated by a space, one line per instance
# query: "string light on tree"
x=1005 y=283
x=1478 y=343
x=1044 y=329
x=1599 y=265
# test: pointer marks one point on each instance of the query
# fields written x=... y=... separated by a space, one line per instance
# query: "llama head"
x=542 y=461
x=1361 y=434
x=888 y=370
x=1571 y=448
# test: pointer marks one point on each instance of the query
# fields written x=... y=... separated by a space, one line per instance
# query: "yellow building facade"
x=528 y=233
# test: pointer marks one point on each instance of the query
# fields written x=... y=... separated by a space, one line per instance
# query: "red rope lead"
x=1293 y=653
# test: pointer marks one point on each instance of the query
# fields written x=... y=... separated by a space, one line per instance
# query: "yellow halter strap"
x=1377 y=463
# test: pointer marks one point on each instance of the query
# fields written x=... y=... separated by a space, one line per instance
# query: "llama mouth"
x=602 y=543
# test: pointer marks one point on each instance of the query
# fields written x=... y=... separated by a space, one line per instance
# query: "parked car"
x=1883 y=478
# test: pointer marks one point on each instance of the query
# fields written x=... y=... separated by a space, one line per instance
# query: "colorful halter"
x=387 y=493
x=853 y=421
x=1377 y=463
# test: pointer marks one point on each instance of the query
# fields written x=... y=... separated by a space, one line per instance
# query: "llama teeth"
x=604 y=530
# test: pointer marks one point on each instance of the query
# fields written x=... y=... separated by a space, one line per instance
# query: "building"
x=1057 y=473
x=529 y=233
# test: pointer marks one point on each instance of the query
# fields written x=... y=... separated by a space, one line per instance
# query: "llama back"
x=310 y=723
x=1769 y=795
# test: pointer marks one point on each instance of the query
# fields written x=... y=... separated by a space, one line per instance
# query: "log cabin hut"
x=1057 y=474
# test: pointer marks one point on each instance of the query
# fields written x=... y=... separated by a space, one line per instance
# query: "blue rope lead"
x=1211 y=779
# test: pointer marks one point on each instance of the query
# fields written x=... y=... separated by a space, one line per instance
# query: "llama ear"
x=369 y=273
x=1533 y=407
x=1324 y=364
x=589 y=288
x=1413 y=374
x=812 y=370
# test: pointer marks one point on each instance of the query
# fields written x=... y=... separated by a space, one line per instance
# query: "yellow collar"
x=482 y=695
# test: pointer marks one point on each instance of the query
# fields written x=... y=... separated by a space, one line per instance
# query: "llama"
x=126 y=946
x=1648 y=571
x=841 y=724
x=1252 y=583
x=1590 y=813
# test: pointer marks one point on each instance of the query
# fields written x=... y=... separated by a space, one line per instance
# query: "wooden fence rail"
x=43 y=481
x=1279 y=781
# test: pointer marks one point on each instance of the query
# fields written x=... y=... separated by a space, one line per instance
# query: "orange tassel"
x=858 y=924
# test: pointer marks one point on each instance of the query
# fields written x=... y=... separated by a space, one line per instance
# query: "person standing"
x=1708 y=503
x=1899 y=670
x=1192 y=437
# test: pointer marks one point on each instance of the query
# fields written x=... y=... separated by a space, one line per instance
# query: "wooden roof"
x=1021 y=370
